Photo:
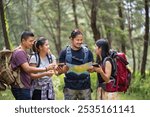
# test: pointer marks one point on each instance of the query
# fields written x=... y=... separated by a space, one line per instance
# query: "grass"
x=58 y=82
x=6 y=95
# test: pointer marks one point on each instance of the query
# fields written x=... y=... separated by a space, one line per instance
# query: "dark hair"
x=40 y=42
x=26 y=34
x=74 y=33
x=103 y=43
x=34 y=49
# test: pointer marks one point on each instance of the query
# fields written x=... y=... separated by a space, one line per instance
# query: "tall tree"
x=52 y=23
x=58 y=25
x=28 y=13
x=11 y=30
x=122 y=27
x=74 y=13
x=94 y=9
x=130 y=29
x=146 y=38
x=3 y=21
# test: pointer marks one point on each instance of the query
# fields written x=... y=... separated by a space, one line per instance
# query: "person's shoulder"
x=90 y=52
x=53 y=56
x=19 y=52
x=63 y=51
x=86 y=48
x=108 y=59
x=33 y=58
x=34 y=55
x=108 y=62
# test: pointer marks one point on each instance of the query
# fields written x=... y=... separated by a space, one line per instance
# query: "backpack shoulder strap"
x=38 y=60
x=49 y=57
x=68 y=54
x=122 y=60
x=113 y=63
x=86 y=54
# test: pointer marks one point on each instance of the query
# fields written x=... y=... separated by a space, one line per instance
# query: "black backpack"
x=38 y=60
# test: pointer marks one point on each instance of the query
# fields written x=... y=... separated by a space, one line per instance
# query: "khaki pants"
x=103 y=95
x=70 y=94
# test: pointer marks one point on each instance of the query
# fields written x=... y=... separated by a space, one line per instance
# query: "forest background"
x=125 y=23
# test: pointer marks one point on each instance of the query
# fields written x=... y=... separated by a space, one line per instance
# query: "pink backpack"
x=121 y=75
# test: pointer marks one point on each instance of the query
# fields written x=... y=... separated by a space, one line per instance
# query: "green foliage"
x=139 y=88
x=42 y=17
x=6 y=95
x=58 y=83
x=94 y=83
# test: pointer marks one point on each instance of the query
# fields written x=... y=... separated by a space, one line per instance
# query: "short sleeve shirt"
x=77 y=54
x=43 y=62
x=20 y=57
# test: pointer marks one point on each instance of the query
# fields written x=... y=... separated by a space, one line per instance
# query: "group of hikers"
x=37 y=70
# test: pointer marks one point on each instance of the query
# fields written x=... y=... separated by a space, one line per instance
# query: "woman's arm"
x=48 y=73
x=30 y=69
x=42 y=74
x=108 y=69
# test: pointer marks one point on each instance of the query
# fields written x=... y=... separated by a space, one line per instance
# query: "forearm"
x=32 y=69
x=35 y=70
x=36 y=76
x=104 y=76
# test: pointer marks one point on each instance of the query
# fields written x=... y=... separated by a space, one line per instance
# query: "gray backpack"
x=69 y=54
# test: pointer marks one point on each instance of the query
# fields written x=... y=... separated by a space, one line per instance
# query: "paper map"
x=79 y=68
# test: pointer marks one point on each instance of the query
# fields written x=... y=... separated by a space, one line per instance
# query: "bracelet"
x=46 y=69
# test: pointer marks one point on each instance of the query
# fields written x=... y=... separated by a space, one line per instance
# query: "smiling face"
x=27 y=40
x=77 y=41
x=28 y=43
x=45 y=47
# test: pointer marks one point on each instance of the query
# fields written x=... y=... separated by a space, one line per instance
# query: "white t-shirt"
x=44 y=62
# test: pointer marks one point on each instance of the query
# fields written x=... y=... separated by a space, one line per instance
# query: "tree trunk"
x=58 y=28
x=130 y=36
x=86 y=10
x=28 y=14
x=3 y=21
x=139 y=59
x=56 y=34
x=120 y=13
x=108 y=34
x=74 y=13
x=109 y=37
x=95 y=30
x=50 y=27
x=146 y=37
x=12 y=26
